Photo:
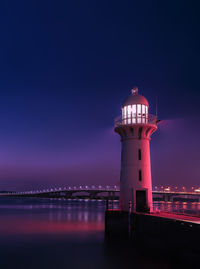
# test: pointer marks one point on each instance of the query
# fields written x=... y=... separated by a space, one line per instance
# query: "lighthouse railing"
x=151 y=119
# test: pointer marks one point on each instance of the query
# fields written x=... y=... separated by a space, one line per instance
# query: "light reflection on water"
x=191 y=208
x=45 y=233
x=50 y=216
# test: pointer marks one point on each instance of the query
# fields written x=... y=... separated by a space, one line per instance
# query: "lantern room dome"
x=135 y=98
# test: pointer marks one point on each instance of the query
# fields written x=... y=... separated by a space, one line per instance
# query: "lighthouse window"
x=140 y=133
x=139 y=154
x=140 y=175
x=134 y=110
x=143 y=110
x=129 y=114
x=129 y=111
x=124 y=114
x=132 y=132
x=139 y=110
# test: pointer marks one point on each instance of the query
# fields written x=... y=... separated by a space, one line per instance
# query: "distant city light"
x=197 y=190
x=167 y=189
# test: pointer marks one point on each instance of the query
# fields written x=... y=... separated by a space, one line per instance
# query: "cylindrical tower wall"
x=135 y=172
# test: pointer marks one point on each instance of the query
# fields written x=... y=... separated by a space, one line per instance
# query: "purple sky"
x=65 y=69
x=96 y=159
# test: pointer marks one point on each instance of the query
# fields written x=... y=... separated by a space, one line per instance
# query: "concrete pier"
x=158 y=231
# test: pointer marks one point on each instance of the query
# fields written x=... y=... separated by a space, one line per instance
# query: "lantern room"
x=135 y=109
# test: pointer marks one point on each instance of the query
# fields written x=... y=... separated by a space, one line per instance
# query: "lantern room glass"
x=136 y=113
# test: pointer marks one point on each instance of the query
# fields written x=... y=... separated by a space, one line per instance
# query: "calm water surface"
x=53 y=233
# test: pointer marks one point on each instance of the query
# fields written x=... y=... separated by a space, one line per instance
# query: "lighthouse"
x=135 y=127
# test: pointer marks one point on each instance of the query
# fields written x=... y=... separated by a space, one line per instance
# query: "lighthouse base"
x=156 y=230
x=167 y=236
x=136 y=199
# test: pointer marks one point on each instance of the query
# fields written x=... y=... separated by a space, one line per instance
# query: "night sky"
x=66 y=67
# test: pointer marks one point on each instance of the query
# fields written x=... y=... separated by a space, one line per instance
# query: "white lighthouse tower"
x=135 y=126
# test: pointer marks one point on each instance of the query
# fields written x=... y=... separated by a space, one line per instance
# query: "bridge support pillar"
x=93 y=195
x=68 y=195
x=167 y=197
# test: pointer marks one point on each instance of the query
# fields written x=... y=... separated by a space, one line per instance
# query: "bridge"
x=100 y=192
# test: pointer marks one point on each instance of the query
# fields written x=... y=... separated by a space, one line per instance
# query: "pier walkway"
x=174 y=216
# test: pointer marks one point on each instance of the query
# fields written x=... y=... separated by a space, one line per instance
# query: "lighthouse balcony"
x=151 y=119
